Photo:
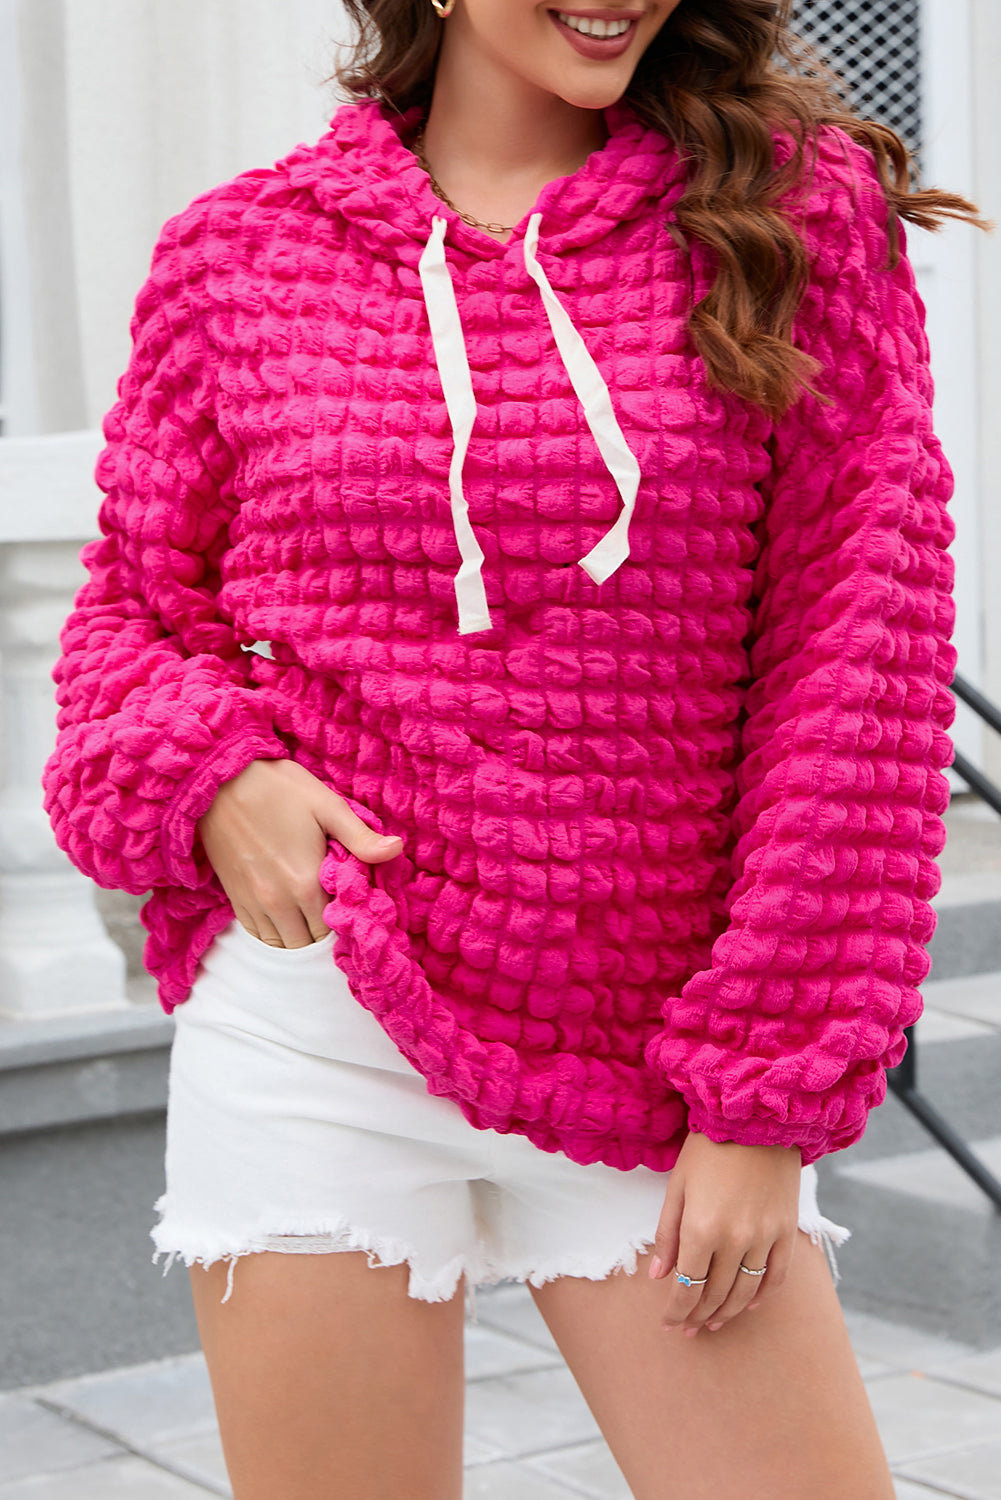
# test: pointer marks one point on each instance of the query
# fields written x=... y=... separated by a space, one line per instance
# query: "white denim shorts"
x=295 y=1124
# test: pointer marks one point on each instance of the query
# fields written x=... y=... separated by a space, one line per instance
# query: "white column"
x=55 y=955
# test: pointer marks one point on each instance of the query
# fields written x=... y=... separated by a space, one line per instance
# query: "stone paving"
x=148 y=1432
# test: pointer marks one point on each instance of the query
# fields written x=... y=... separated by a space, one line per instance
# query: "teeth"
x=591 y=27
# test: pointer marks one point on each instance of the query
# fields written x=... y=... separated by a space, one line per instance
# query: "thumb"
x=338 y=821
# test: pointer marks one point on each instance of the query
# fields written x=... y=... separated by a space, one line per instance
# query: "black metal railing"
x=903 y=1080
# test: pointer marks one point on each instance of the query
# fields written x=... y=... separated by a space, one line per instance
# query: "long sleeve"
x=785 y=1038
x=156 y=706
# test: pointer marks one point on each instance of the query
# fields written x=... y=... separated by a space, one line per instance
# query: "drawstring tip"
x=476 y=623
x=609 y=553
x=471 y=597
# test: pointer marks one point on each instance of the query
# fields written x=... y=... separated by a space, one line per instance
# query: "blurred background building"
x=113 y=115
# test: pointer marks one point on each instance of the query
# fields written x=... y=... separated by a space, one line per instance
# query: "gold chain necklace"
x=439 y=192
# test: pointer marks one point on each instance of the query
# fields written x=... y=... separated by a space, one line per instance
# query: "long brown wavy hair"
x=717 y=79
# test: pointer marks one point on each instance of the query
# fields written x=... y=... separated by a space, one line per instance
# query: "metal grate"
x=875 y=47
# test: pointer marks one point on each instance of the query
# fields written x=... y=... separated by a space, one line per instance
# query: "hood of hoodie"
x=362 y=169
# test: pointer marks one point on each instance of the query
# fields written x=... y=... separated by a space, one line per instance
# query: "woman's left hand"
x=725 y=1204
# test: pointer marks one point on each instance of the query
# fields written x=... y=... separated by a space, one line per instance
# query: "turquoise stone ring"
x=687 y=1280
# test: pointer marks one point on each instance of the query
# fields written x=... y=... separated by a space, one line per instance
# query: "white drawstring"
x=592 y=393
x=457 y=387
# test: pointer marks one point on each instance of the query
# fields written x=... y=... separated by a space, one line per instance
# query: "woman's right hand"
x=265 y=836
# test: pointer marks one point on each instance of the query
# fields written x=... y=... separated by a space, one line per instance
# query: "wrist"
x=745 y=1148
x=239 y=787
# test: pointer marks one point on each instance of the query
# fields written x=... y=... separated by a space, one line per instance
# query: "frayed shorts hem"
x=439 y=1285
x=424 y=1284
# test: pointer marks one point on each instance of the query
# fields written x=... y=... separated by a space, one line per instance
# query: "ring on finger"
x=748 y=1272
x=689 y=1280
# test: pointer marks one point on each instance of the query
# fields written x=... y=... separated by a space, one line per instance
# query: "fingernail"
x=690 y=1333
x=656 y=1268
x=713 y=1326
x=751 y=1306
x=389 y=838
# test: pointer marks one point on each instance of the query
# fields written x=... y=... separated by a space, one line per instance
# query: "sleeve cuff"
x=813 y=1141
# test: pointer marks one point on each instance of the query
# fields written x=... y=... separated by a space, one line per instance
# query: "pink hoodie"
x=654 y=689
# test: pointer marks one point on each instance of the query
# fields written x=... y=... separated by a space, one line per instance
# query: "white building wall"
x=40 y=342
x=986 y=95
x=946 y=263
x=114 y=114
x=166 y=98
x=19 y=411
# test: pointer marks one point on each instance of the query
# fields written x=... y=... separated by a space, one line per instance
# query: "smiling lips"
x=597 y=34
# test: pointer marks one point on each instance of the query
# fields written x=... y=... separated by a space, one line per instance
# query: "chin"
x=596 y=92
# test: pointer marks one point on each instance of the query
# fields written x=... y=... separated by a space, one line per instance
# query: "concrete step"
x=926 y=1245
x=66 y=1070
x=926 y=1241
x=967 y=938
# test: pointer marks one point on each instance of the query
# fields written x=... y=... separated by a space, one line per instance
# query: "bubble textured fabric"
x=669 y=837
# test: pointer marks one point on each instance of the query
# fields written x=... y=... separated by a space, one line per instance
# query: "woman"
x=546 y=890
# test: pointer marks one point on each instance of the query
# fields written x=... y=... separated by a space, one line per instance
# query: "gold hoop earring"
x=444 y=10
